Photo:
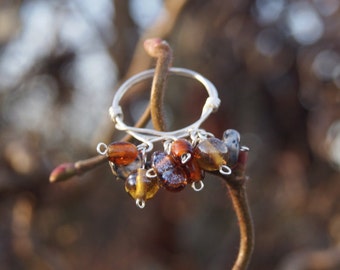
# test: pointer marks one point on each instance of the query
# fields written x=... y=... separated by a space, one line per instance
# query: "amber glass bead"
x=211 y=154
x=231 y=138
x=172 y=176
x=162 y=162
x=179 y=148
x=140 y=187
x=123 y=171
x=121 y=153
x=193 y=170
x=174 y=180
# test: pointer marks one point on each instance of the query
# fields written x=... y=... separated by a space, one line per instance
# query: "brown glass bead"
x=162 y=162
x=172 y=176
x=182 y=147
x=179 y=148
x=175 y=179
x=121 y=153
x=123 y=171
x=141 y=187
x=193 y=170
x=211 y=154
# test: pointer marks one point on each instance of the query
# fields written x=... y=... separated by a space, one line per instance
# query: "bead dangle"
x=188 y=153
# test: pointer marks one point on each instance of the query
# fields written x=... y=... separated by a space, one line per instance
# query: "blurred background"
x=276 y=65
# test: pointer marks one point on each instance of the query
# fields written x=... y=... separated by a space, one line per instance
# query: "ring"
x=187 y=153
x=147 y=135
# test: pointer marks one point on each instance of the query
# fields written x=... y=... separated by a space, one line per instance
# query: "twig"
x=67 y=170
x=156 y=48
x=239 y=199
x=236 y=184
x=161 y=50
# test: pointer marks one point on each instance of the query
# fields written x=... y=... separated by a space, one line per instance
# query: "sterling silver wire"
x=149 y=136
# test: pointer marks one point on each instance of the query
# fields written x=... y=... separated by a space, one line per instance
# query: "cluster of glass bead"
x=183 y=161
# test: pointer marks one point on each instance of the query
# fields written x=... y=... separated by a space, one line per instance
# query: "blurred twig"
x=161 y=28
x=312 y=259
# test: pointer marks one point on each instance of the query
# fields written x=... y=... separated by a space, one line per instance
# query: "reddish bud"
x=63 y=172
x=156 y=46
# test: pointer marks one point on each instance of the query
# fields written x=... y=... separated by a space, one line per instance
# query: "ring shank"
x=148 y=135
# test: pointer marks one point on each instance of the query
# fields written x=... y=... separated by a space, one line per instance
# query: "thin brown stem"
x=161 y=50
x=67 y=170
x=236 y=184
x=239 y=199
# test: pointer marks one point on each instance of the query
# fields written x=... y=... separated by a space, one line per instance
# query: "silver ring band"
x=147 y=135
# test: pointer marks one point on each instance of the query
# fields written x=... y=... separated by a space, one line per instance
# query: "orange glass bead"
x=121 y=153
x=211 y=154
x=180 y=148
x=123 y=171
x=141 y=187
x=172 y=176
x=182 y=152
x=193 y=170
